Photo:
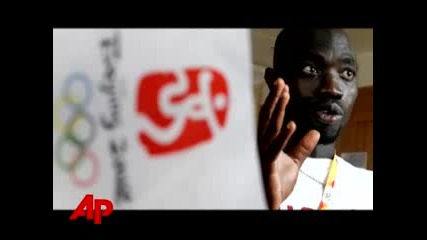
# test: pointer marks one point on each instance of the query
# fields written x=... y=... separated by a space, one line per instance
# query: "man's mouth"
x=329 y=114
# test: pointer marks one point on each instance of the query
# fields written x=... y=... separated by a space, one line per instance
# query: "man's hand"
x=279 y=169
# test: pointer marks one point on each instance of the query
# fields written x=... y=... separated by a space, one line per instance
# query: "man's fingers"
x=268 y=107
x=291 y=126
x=305 y=147
x=275 y=125
x=282 y=140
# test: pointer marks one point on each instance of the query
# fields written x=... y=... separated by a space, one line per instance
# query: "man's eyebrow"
x=348 y=59
x=313 y=56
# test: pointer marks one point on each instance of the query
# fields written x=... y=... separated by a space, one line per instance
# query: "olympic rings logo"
x=68 y=131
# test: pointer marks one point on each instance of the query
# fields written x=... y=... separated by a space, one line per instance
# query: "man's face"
x=324 y=86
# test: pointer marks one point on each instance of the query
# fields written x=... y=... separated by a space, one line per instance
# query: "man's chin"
x=328 y=137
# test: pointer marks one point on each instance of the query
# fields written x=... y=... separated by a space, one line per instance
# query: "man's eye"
x=348 y=74
x=309 y=70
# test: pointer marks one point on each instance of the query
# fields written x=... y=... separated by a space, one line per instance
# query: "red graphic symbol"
x=88 y=202
x=179 y=110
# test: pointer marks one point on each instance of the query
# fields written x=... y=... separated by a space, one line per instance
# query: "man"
x=313 y=86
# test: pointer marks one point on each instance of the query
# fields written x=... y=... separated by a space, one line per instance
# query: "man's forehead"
x=296 y=44
x=329 y=42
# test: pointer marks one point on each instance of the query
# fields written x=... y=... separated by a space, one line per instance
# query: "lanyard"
x=327 y=192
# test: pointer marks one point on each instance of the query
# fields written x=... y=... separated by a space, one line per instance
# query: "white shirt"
x=353 y=189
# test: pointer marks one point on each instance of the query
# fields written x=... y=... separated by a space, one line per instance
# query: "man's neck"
x=324 y=151
x=320 y=151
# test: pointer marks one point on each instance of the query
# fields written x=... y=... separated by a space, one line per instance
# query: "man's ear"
x=270 y=77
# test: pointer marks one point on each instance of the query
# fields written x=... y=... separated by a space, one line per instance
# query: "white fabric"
x=137 y=78
x=353 y=188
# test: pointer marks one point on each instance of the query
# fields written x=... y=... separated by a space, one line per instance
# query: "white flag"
x=155 y=119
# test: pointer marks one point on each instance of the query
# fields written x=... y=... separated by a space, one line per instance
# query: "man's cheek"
x=348 y=109
x=307 y=87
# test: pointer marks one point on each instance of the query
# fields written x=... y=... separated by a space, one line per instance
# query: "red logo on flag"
x=179 y=110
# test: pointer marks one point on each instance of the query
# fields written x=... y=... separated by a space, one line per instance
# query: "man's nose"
x=329 y=86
